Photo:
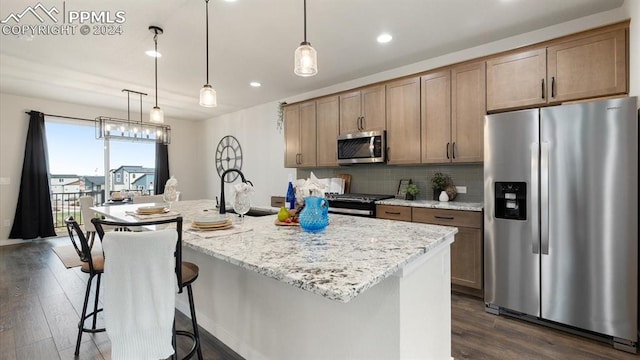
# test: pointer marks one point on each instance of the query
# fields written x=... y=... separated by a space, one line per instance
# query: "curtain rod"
x=64 y=117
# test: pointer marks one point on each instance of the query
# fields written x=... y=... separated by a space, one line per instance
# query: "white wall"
x=262 y=150
x=185 y=144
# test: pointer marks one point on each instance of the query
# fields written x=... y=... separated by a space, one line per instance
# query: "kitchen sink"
x=255 y=212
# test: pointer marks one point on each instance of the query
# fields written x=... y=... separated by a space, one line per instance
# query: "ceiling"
x=250 y=40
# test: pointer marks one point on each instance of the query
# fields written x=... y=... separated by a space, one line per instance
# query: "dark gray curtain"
x=33 y=216
x=162 y=167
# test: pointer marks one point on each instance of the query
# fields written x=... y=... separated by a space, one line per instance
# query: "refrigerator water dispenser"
x=511 y=200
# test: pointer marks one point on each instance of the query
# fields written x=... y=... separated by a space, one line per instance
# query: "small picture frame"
x=402 y=187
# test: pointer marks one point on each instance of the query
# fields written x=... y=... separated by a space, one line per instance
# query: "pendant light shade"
x=306 y=57
x=208 y=97
x=156 y=115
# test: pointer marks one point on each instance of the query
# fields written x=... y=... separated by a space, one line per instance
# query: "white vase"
x=443 y=196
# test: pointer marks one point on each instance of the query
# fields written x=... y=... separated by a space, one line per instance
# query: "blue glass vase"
x=314 y=217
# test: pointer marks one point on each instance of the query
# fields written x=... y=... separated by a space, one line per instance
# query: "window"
x=74 y=150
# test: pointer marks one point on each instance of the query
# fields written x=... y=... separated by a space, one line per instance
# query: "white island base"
x=406 y=316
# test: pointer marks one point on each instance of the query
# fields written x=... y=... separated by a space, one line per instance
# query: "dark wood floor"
x=40 y=301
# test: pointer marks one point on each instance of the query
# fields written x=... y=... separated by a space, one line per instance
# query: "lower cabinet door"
x=466 y=258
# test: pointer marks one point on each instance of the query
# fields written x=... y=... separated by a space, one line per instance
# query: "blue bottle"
x=290 y=199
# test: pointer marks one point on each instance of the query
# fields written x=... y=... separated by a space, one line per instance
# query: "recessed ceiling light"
x=384 y=38
x=230 y=0
x=254 y=83
x=153 y=53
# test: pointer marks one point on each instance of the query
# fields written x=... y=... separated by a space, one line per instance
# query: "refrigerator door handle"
x=535 y=223
x=544 y=198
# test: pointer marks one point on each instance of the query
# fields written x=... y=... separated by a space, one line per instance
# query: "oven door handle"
x=350 y=211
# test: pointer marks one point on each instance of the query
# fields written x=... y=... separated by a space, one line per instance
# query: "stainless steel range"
x=354 y=204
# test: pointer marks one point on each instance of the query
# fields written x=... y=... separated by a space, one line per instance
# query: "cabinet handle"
x=301 y=159
x=453 y=150
x=359 y=123
x=447 y=150
x=443 y=217
x=553 y=86
x=542 y=89
x=391 y=212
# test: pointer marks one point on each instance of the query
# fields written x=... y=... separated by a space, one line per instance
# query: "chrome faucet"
x=223 y=209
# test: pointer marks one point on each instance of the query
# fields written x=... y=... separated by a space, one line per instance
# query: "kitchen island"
x=363 y=289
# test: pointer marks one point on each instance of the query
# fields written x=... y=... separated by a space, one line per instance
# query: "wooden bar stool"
x=186 y=274
x=92 y=264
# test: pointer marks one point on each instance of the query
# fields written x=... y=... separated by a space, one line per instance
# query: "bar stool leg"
x=95 y=303
x=84 y=312
x=194 y=322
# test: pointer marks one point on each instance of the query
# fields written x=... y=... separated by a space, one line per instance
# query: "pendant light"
x=306 y=58
x=207 y=93
x=156 y=115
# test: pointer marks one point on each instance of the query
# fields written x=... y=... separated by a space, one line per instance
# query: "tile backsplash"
x=384 y=179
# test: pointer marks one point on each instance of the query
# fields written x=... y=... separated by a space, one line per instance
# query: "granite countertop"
x=351 y=255
x=449 y=205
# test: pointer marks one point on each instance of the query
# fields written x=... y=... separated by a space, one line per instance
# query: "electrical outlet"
x=461 y=189
x=6 y=223
x=5 y=181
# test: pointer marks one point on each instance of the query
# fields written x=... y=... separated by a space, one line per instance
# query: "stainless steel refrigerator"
x=561 y=216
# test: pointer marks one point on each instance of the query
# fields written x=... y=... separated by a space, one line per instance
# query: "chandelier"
x=132 y=130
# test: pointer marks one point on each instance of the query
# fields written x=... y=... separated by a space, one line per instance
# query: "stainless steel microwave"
x=364 y=147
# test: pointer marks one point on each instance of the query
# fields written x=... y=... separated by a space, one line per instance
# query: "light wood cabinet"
x=400 y=213
x=300 y=135
x=436 y=117
x=403 y=121
x=468 y=108
x=517 y=80
x=453 y=109
x=586 y=67
x=589 y=67
x=362 y=110
x=466 y=250
x=327 y=127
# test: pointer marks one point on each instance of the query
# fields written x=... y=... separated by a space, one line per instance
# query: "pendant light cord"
x=305 y=21
x=155 y=40
x=207 y=32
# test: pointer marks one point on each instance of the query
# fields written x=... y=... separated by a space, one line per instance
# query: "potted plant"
x=439 y=182
x=411 y=191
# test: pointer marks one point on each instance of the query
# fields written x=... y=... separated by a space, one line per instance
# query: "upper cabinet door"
x=373 y=108
x=435 y=130
x=588 y=67
x=517 y=80
x=327 y=116
x=403 y=121
x=468 y=108
x=350 y=112
x=362 y=110
x=307 y=147
x=291 y=135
